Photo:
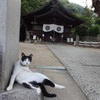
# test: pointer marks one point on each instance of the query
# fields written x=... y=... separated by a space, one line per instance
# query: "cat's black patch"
x=34 y=83
x=27 y=85
x=49 y=83
x=45 y=93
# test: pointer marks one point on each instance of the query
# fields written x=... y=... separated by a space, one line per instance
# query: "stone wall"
x=9 y=38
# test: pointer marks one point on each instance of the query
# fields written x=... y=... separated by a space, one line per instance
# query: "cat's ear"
x=22 y=54
x=31 y=55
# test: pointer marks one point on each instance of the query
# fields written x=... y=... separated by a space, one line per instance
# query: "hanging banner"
x=59 y=29
x=47 y=27
x=53 y=27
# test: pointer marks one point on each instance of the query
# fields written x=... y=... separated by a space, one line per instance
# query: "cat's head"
x=26 y=60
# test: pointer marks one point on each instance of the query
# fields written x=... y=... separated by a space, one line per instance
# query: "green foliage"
x=97 y=20
x=80 y=30
x=87 y=12
x=91 y=25
x=94 y=30
x=72 y=7
x=28 y=6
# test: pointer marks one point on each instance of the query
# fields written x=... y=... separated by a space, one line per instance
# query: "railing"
x=89 y=44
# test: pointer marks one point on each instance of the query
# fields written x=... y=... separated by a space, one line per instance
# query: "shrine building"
x=52 y=22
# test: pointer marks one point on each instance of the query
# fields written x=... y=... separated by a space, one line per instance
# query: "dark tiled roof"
x=52 y=12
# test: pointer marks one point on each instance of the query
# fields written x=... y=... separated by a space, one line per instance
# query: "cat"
x=33 y=80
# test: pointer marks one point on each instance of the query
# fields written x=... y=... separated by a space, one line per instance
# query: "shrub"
x=94 y=30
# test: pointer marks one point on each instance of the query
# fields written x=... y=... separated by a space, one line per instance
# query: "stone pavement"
x=84 y=66
x=45 y=62
x=71 y=91
x=41 y=55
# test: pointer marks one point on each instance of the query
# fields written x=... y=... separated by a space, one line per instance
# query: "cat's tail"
x=45 y=93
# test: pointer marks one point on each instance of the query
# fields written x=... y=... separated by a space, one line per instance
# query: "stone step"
x=20 y=93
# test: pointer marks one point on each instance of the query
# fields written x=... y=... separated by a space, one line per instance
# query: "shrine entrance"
x=52 y=22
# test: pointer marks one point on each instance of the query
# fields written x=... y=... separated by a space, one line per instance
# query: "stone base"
x=20 y=93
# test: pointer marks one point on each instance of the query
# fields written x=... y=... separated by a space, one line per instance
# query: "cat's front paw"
x=9 y=88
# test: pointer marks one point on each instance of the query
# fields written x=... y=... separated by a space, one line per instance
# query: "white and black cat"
x=24 y=76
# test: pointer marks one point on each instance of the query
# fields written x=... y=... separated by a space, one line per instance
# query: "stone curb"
x=20 y=93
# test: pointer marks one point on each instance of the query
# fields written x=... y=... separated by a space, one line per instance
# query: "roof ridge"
x=55 y=1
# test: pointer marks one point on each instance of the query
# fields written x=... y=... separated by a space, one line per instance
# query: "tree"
x=97 y=20
x=89 y=20
x=28 y=6
x=72 y=7
x=94 y=30
x=80 y=30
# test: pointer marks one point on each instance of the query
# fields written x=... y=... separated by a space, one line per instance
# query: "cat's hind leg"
x=48 y=82
x=38 y=87
x=45 y=93
x=52 y=84
x=30 y=86
x=43 y=89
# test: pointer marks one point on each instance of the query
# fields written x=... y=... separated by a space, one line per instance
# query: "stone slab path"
x=46 y=62
x=84 y=66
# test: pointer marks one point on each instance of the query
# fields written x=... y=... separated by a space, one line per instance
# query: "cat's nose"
x=27 y=63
